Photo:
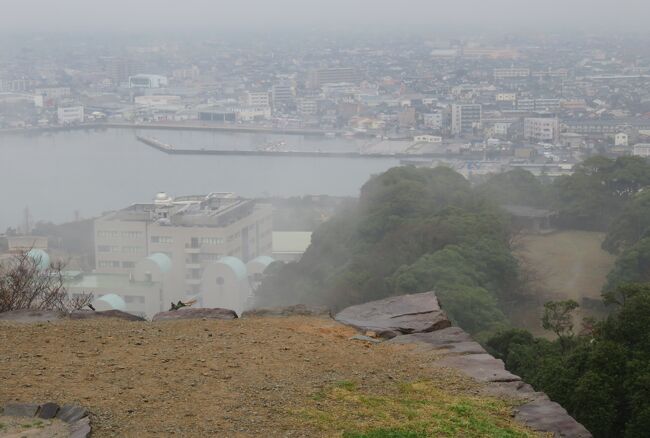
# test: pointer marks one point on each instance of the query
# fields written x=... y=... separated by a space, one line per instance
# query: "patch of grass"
x=386 y=433
x=35 y=423
x=346 y=384
x=410 y=410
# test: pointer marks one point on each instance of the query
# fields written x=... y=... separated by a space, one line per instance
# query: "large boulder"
x=390 y=317
x=195 y=313
x=31 y=315
x=296 y=310
x=118 y=314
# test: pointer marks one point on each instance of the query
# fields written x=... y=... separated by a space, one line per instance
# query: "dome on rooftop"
x=110 y=302
x=162 y=260
x=162 y=198
x=40 y=258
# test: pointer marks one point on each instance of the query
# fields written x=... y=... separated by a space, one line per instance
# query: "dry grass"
x=567 y=265
x=249 y=377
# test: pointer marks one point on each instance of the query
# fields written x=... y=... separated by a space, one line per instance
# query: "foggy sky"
x=261 y=15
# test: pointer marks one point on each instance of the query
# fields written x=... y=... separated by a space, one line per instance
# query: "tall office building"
x=465 y=118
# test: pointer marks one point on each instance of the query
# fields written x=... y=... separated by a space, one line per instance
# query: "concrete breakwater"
x=172 y=150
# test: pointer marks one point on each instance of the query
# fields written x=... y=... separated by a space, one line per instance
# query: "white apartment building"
x=53 y=92
x=147 y=81
x=192 y=231
x=70 y=114
x=501 y=128
x=282 y=94
x=433 y=120
x=251 y=113
x=506 y=97
x=427 y=139
x=511 y=73
x=257 y=98
x=621 y=139
x=307 y=106
x=541 y=129
x=465 y=118
x=641 y=150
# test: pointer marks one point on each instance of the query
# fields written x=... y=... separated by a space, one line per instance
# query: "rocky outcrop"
x=118 y=314
x=296 y=310
x=74 y=416
x=450 y=339
x=195 y=313
x=390 y=317
x=31 y=315
x=419 y=320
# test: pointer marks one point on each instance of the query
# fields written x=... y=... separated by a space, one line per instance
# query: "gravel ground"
x=247 y=377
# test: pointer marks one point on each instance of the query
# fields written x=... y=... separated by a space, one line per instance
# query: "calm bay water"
x=91 y=171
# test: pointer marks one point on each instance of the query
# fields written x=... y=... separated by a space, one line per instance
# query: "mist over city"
x=361 y=219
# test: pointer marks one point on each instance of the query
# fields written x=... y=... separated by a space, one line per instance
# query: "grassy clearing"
x=409 y=410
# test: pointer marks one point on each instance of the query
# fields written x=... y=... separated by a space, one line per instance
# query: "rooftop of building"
x=216 y=209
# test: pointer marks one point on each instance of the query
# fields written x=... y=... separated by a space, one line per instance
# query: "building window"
x=108 y=248
x=211 y=257
x=128 y=265
x=108 y=234
x=131 y=234
x=162 y=239
x=108 y=264
x=132 y=249
x=211 y=240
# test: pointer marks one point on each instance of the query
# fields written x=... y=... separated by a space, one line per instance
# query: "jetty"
x=172 y=150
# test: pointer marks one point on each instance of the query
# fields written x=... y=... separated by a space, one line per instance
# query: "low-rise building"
x=641 y=150
x=191 y=231
x=70 y=114
x=541 y=129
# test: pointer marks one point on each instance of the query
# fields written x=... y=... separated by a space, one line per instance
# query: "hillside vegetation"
x=414 y=230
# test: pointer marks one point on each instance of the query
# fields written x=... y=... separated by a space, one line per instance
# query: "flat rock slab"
x=20 y=409
x=71 y=413
x=481 y=367
x=452 y=340
x=297 y=310
x=48 y=410
x=118 y=314
x=199 y=313
x=519 y=391
x=547 y=416
x=29 y=315
x=80 y=428
x=395 y=316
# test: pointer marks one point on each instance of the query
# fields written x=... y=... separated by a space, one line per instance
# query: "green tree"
x=558 y=318
x=631 y=225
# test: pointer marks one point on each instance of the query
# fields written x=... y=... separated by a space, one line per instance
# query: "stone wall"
x=418 y=320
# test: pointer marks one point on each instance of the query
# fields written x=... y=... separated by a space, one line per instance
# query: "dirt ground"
x=247 y=377
x=12 y=427
x=570 y=264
